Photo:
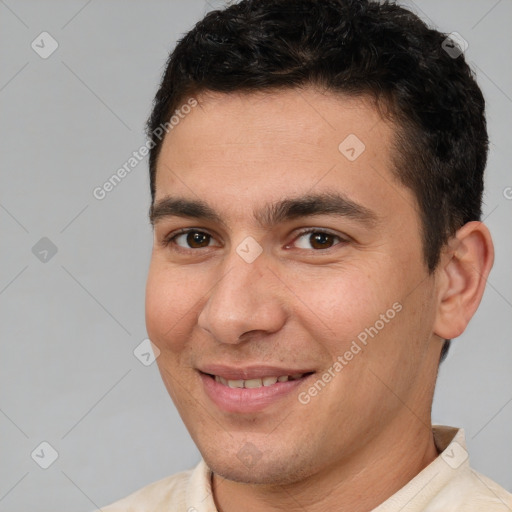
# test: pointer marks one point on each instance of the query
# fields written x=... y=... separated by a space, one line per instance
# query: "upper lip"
x=250 y=372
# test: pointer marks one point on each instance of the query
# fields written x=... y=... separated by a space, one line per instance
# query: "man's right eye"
x=188 y=238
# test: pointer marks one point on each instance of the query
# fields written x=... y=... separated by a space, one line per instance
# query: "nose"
x=248 y=300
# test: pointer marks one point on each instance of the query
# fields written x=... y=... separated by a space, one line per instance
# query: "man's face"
x=268 y=284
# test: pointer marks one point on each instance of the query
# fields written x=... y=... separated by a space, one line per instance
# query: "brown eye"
x=321 y=240
x=197 y=239
x=317 y=239
x=188 y=239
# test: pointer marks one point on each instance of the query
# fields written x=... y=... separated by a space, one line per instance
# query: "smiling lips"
x=249 y=389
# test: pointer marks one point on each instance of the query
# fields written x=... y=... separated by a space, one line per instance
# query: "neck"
x=358 y=485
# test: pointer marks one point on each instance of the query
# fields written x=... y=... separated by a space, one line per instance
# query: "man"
x=316 y=176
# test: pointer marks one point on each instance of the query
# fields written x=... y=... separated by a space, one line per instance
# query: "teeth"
x=257 y=383
x=253 y=383
x=268 y=381
x=236 y=383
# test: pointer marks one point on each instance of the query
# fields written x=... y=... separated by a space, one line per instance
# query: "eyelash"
x=169 y=239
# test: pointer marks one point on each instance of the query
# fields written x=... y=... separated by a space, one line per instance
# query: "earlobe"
x=465 y=264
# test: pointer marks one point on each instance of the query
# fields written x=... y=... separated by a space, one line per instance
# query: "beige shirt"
x=447 y=484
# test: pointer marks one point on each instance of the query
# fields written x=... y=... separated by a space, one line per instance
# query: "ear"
x=465 y=263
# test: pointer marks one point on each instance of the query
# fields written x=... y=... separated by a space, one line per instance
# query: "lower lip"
x=247 y=400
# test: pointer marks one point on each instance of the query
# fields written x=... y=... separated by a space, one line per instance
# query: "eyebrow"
x=272 y=213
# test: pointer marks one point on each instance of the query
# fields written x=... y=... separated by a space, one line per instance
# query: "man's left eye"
x=317 y=239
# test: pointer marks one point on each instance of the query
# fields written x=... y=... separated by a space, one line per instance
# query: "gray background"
x=69 y=325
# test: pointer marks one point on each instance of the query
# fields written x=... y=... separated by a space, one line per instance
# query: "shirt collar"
x=452 y=463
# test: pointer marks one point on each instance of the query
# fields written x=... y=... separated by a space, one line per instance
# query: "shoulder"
x=472 y=492
x=156 y=496
x=489 y=493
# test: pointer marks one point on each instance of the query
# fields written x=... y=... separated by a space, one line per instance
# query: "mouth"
x=249 y=395
x=256 y=383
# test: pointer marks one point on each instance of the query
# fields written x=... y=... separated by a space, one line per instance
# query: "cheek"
x=172 y=299
x=362 y=321
x=343 y=302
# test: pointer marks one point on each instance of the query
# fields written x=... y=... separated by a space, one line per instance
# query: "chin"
x=270 y=468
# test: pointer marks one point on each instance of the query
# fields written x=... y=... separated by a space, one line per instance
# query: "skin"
x=298 y=305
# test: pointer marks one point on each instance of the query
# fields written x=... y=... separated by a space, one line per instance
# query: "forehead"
x=297 y=116
x=242 y=147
